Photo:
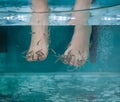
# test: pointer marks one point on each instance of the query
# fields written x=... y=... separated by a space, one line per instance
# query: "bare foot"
x=39 y=45
x=78 y=50
x=39 y=41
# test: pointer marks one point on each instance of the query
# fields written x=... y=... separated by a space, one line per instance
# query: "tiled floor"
x=60 y=87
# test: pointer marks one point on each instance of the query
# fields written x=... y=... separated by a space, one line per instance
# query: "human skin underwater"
x=78 y=49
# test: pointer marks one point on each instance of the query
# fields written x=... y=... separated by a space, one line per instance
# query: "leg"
x=80 y=17
x=39 y=41
x=77 y=52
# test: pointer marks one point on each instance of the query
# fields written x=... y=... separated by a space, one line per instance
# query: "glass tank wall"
x=19 y=12
x=51 y=80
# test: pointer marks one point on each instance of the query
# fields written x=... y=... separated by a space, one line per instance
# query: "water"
x=60 y=87
x=96 y=81
x=107 y=59
x=13 y=14
x=21 y=81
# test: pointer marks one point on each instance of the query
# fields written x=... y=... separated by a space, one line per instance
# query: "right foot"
x=39 y=42
x=39 y=45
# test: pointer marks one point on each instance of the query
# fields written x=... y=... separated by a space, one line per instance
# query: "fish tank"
x=98 y=80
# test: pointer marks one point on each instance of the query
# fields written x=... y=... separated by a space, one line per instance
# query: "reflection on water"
x=18 y=12
x=108 y=16
x=60 y=87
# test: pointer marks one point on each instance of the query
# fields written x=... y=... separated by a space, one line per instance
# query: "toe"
x=82 y=59
x=67 y=57
x=35 y=57
x=30 y=56
x=38 y=55
x=72 y=61
x=64 y=59
x=41 y=55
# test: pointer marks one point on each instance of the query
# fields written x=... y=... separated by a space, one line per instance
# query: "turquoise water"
x=18 y=38
x=60 y=87
x=52 y=81
x=19 y=12
x=57 y=2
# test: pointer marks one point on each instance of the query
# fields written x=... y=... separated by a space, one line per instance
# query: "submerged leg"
x=39 y=41
x=77 y=53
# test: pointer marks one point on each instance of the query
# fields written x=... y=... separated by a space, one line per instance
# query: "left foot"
x=78 y=50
